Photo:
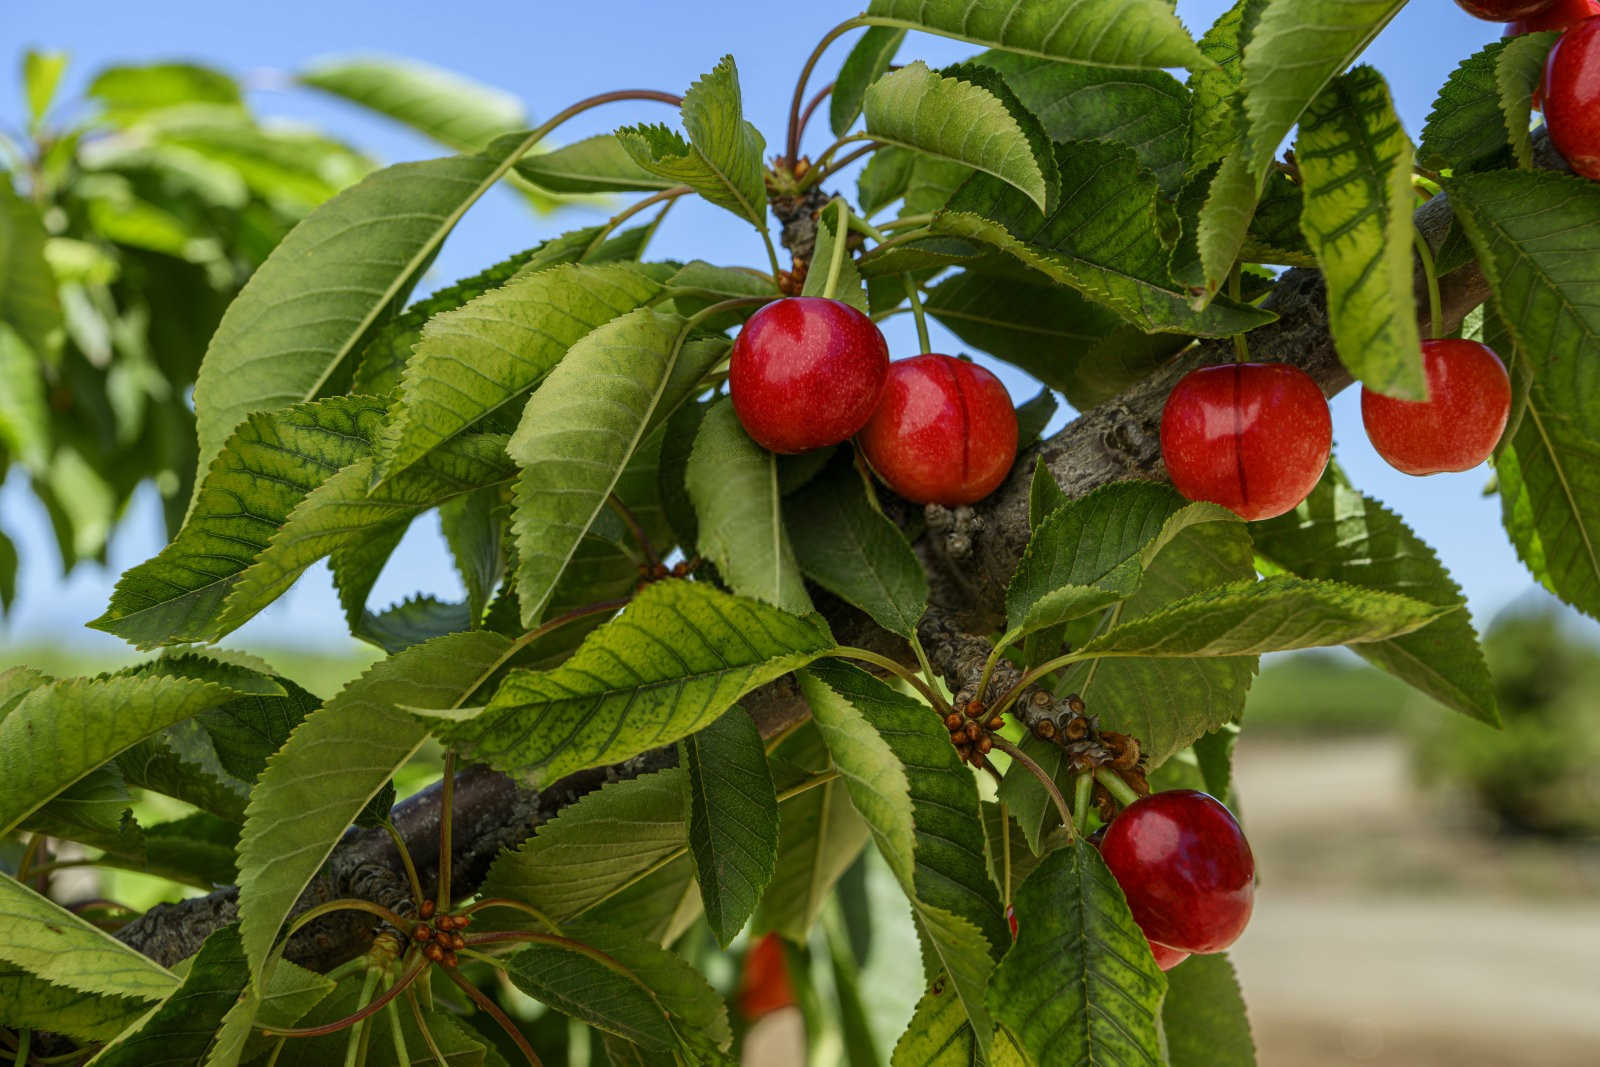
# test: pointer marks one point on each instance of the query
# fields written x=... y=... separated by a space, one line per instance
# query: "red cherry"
x=1503 y=10
x=806 y=373
x=1457 y=427
x=944 y=433
x=1185 y=867
x=1572 y=97
x=764 y=983
x=1166 y=958
x=1253 y=437
x=1556 y=16
x=1011 y=919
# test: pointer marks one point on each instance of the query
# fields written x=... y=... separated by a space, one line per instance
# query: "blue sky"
x=550 y=55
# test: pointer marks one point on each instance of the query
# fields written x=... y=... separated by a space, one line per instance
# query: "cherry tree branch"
x=969 y=553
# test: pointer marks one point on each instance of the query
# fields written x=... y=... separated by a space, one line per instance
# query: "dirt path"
x=1386 y=935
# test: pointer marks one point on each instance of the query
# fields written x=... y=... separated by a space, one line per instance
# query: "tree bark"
x=969 y=553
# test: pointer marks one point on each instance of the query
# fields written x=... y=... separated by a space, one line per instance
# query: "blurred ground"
x=1389 y=929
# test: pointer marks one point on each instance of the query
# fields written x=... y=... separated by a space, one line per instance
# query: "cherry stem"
x=515 y=905
x=422 y=1026
x=405 y=858
x=841 y=227
x=909 y=677
x=345 y=904
x=397 y=1033
x=1241 y=349
x=635 y=529
x=1119 y=789
x=792 y=149
x=822 y=174
x=811 y=107
x=1082 y=794
x=922 y=660
x=358 y=1030
x=370 y=1008
x=1040 y=773
x=496 y=1014
x=915 y=300
x=24 y=1045
x=866 y=478
x=1005 y=852
x=669 y=195
x=447 y=792
x=1431 y=273
x=988 y=669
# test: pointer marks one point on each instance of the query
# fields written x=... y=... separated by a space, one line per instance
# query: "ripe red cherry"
x=1253 y=437
x=806 y=373
x=764 y=983
x=1457 y=427
x=1503 y=10
x=944 y=433
x=1166 y=958
x=1185 y=867
x=1556 y=16
x=1572 y=97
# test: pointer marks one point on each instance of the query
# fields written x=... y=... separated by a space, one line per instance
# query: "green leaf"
x=342 y=511
x=1517 y=77
x=1204 y=1016
x=291 y=992
x=41 y=73
x=583 y=425
x=28 y=300
x=457 y=112
x=885 y=178
x=940 y=1035
x=847 y=287
x=722 y=158
x=1219 y=230
x=334 y=763
x=1147 y=110
x=1078 y=985
x=733 y=820
x=1549 y=479
x=182 y=762
x=1271 y=615
x=908 y=783
x=1113 y=33
x=590 y=986
x=598 y=164
x=289 y=334
x=1296 y=48
x=1217 y=115
x=965 y=115
x=1102 y=239
x=488 y=353
x=181 y=1029
x=197 y=849
x=676 y=658
x=474 y=528
x=849 y=548
x=8 y=573
x=607 y=840
x=1355 y=168
x=819 y=836
x=51 y=943
x=1089 y=553
x=697 y=1012
x=1010 y=858
x=96 y=810
x=733 y=483
x=58 y=733
x=865 y=64
x=27 y=1002
x=1530 y=231
x=1338 y=534
x=130 y=93
x=272 y=461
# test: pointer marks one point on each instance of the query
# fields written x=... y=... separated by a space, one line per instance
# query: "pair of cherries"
x=807 y=373
x=1186 y=870
x=1255 y=437
x=1570 y=94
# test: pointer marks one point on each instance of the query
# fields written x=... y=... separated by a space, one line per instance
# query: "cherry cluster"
x=1570 y=95
x=808 y=372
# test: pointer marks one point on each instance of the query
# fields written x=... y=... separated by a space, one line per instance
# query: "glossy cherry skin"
x=1457 y=427
x=1572 y=97
x=806 y=373
x=1253 y=437
x=1556 y=16
x=1503 y=10
x=1167 y=958
x=1185 y=867
x=764 y=983
x=944 y=433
